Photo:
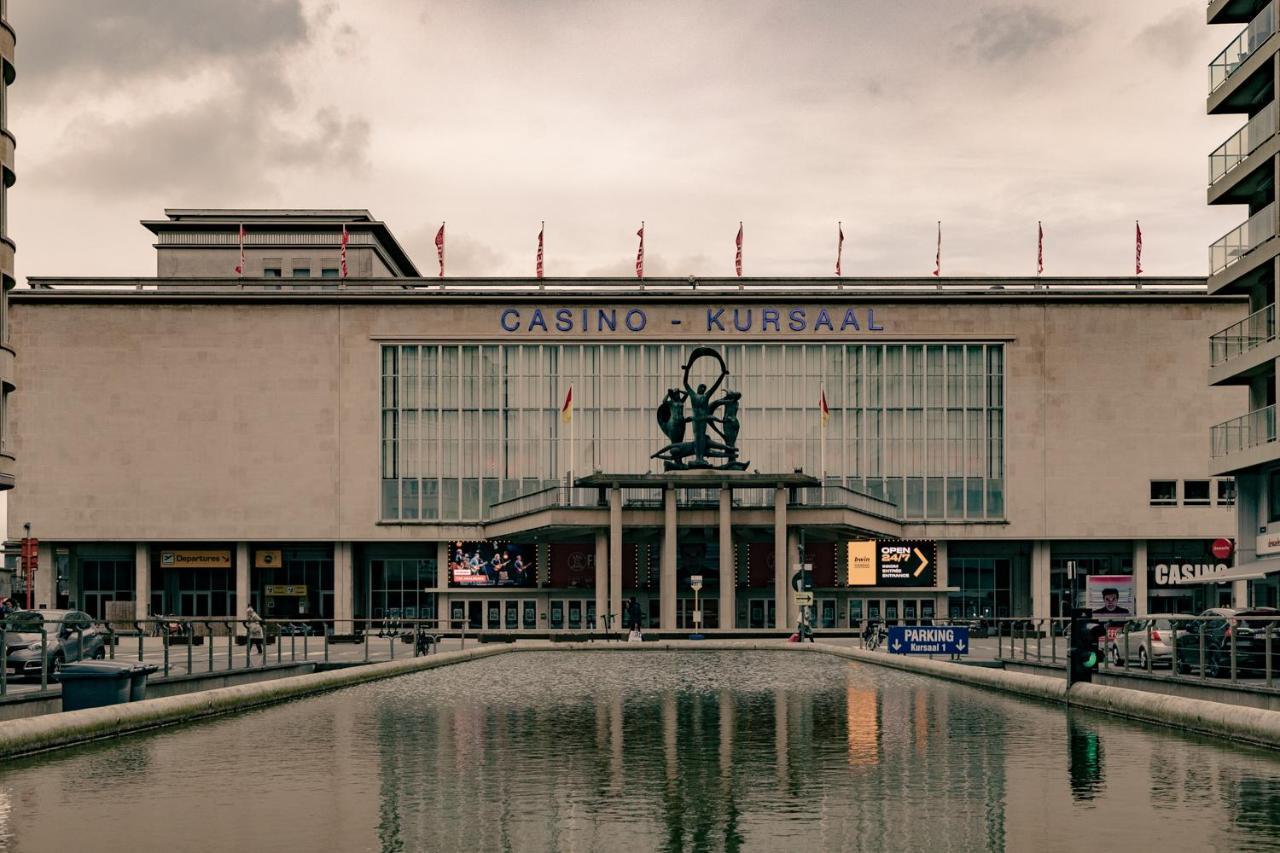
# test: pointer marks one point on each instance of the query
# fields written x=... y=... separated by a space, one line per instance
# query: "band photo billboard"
x=893 y=562
x=488 y=563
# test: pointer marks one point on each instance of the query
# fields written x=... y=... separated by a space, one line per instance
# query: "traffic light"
x=1084 y=656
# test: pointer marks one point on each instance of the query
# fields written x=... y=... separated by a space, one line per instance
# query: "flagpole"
x=573 y=428
x=822 y=460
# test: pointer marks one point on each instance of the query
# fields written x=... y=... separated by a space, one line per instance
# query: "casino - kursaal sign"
x=715 y=319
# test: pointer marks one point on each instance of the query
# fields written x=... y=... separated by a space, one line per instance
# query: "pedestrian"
x=253 y=622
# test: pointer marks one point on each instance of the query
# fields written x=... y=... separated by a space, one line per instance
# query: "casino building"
x=388 y=445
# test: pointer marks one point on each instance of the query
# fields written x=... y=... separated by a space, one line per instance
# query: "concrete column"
x=141 y=579
x=668 y=578
x=1140 y=577
x=780 y=579
x=1040 y=580
x=46 y=582
x=242 y=583
x=728 y=567
x=602 y=578
x=941 y=610
x=1240 y=594
x=615 y=558
x=793 y=562
x=344 y=588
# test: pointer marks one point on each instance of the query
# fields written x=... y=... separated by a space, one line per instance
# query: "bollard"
x=1039 y=636
x=231 y=646
x=208 y=633
x=248 y=660
x=1053 y=641
x=141 y=632
x=293 y=644
x=366 y=640
x=111 y=640
x=164 y=635
x=391 y=641
x=191 y=640
x=304 y=646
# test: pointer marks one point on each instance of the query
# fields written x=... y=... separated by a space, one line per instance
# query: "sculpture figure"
x=705 y=420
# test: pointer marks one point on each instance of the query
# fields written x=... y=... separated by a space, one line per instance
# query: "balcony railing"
x=1238 y=242
x=1251 y=430
x=1242 y=143
x=1252 y=37
x=1253 y=331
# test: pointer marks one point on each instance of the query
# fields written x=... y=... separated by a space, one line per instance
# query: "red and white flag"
x=1039 y=248
x=839 y=245
x=1137 y=267
x=566 y=411
x=540 y=232
x=937 y=261
x=240 y=266
x=440 y=248
x=640 y=252
x=737 y=258
x=342 y=252
x=823 y=409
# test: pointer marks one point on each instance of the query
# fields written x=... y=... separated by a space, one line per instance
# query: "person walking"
x=253 y=623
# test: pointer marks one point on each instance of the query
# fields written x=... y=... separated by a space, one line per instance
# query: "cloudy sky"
x=593 y=115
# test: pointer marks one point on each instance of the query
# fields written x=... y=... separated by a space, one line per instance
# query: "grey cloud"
x=1174 y=37
x=464 y=255
x=75 y=41
x=1009 y=34
x=208 y=153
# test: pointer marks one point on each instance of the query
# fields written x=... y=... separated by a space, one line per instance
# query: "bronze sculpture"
x=704 y=419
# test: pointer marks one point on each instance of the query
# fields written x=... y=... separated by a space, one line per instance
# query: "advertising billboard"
x=893 y=562
x=1109 y=597
x=474 y=564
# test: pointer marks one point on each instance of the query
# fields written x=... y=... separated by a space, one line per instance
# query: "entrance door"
x=512 y=613
x=591 y=615
x=575 y=615
x=475 y=615
x=195 y=603
x=557 y=615
x=909 y=611
x=926 y=611
x=874 y=611
x=457 y=612
x=827 y=613
x=530 y=614
x=891 y=612
x=756 y=619
x=495 y=615
x=771 y=614
x=855 y=612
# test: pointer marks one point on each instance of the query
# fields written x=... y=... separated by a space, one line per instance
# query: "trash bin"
x=138 y=680
x=95 y=683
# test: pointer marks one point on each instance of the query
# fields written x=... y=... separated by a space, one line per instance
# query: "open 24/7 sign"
x=928 y=640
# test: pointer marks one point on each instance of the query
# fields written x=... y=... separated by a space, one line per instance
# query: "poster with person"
x=1110 y=599
x=491 y=564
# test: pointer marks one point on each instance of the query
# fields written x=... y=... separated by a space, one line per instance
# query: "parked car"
x=1220 y=625
x=1152 y=652
x=70 y=635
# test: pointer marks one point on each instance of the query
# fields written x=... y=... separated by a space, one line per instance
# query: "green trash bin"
x=95 y=683
x=138 y=680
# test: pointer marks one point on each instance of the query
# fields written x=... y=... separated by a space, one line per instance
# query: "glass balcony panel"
x=1238 y=242
x=1253 y=331
x=1252 y=37
x=1242 y=143
x=1251 y=430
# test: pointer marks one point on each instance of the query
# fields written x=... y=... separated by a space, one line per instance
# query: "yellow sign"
x=285 y=590
x=195 y=559
x=267 y=559
x=862 y=563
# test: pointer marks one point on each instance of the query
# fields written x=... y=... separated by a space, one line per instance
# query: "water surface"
x=650 y=750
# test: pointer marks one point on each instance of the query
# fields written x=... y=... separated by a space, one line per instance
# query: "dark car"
x=69 y=636
x=1222 y=625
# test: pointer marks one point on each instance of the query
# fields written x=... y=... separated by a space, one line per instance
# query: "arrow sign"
x=924 y=563
x=928 y=640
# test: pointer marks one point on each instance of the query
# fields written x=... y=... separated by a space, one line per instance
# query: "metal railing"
x=171 y=643
x=1252 y=430
x=1253 y=331
x=1243 y=239
x=1242 y=651
x=846 y=498
x=1240 y=48
x=1242 y=143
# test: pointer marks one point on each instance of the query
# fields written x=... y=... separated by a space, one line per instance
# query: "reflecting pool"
x=653 y=750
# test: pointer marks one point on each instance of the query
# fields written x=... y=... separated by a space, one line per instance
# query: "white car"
x=1157 y=650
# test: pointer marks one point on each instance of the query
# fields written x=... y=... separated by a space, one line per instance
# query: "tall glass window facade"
x=464 y=426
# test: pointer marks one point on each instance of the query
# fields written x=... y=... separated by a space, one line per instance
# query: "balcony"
x=1242 y=143
x=1236 y=340
x=1240 y=241
x=1252 y=37
x=1234 y=437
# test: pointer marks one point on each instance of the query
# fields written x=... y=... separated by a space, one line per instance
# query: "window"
x=1195 y=492
x=1164 y=492
x=1226 y=493
x=271 y=272
x=301 y=272
x=329 y=272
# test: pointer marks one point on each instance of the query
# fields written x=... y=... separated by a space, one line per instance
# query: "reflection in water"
x=653 y=751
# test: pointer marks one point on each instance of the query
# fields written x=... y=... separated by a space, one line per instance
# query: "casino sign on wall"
x=893 y=562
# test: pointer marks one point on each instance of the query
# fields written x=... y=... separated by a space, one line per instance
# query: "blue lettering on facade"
x=796 y=319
